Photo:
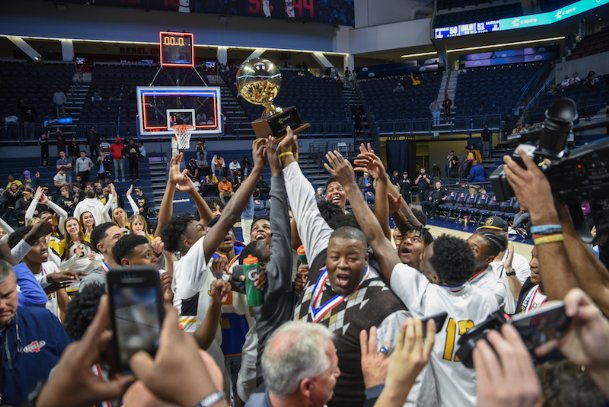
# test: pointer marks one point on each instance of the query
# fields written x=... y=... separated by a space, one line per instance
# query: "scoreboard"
x=177 y=49
x=467 y=29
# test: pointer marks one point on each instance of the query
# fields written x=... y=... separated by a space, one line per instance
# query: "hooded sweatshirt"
x=116 y=150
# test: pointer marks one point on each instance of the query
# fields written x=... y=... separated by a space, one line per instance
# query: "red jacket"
x=116 y=149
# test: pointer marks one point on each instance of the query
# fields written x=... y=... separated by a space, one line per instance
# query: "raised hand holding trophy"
x=259 y=81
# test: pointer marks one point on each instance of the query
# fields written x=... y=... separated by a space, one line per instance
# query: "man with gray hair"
x=299 y=365
x=33 y=340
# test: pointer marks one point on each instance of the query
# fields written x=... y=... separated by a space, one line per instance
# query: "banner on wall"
x=339 y=12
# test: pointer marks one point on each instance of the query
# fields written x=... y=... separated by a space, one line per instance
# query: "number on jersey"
x=451 y=336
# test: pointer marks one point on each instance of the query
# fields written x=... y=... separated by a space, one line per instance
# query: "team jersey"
x=510 y=302
x=466 y=306
x=488 y=281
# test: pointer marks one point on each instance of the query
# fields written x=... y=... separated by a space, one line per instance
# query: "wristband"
x=546 y=229
x=511 y=274
x=285 y=154
x=549 y=239
x=211 y=399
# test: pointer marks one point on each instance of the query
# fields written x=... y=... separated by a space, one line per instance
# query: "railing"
x=422 y=126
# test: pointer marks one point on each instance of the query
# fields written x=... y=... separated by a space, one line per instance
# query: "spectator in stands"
x=59 y=180
x=116 y=150
x=28 y=117
x=73 y=150
x=399 y=88
x=225 y=188
x=591 y=80
x=575 y=79
x=192 y=170
x=423 y=182
x=210 y=184
x=143 y=205
x=83 y=166
x=59 y=100
x=475 y=177
x=218 y=165
x=447 y=105
x=93 y=142
x=142 y=148
x=234 y=166
x=435 y=108
x=60 y=141
x=365 y=183
x=66 y=164
x=436 y=198
x=96 y=97
x=566 y=82
x=262 y=189
x=414 y=80
x=44 y=148
x=487 y=141
x=246 y=165
x=132 y=152
x=405 y=184
x=65 y=201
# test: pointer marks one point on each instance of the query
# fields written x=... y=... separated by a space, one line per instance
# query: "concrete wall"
x=597 y=63
x=390 y=36
x=379 y=12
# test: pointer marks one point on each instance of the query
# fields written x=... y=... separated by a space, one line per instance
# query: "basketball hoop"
x=182 y=134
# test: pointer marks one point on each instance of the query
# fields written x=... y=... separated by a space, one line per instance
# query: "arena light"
x=156 y=43
x=420 y=54
x=505 y=44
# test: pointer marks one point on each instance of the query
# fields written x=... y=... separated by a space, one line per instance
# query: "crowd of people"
x=347 y=306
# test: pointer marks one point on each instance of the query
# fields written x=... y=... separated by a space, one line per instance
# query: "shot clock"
x=177 y=49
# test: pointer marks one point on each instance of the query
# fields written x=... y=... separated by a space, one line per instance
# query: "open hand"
x=374 y=362
x=272 y=155
x=340 y=168
x=372 y=164
x=258 y=149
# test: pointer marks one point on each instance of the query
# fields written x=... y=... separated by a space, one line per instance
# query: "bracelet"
x=511 y=274
x=211 y=399
x=549 y=239
x=285 y=154
x=546 y=229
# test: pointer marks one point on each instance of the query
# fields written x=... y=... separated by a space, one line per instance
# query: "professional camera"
x=577 y=175
x=468 y=341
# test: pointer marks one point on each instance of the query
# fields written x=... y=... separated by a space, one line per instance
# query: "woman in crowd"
x=74 y=241
x=119 y=217
x=88 y=224
x=139 y=226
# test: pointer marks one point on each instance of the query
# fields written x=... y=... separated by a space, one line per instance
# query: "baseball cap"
x=494 y=223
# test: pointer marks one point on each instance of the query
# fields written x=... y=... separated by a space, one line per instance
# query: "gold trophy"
x=259 y=81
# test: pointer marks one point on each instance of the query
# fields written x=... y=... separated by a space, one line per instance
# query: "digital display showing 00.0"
x=177 y=49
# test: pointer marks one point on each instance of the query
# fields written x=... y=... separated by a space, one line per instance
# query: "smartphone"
x=136 y=307
x=439 y=319
x=540 y=326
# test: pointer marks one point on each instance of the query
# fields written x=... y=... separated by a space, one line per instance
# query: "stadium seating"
x=492 y=90
x=34 y=84
x=479 y=14
x=591 y=44
x=412 y=103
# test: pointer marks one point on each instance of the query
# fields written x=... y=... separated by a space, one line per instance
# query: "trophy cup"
x=259 y=81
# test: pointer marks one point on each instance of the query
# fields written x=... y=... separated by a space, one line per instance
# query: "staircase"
x=237 y=122
x=448 y=87
x=311 y=167
x=353 y=104
x=158 y=177
x=76 y=97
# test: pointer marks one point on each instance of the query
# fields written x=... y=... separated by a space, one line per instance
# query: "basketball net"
x=181 y=139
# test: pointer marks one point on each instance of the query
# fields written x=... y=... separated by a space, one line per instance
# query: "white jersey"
x=46 y=268
x=466 y=306
x=510 y=302
x=489 y=282
x=191 y=282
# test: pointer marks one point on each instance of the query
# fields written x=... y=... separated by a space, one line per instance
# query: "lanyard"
x=104 y=266
x=317 y=313
x=528 y=306
x=100 y=374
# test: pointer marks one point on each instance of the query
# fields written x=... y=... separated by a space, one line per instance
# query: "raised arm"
x=132 y=203
x=63 y=215
x=368 y=161
x=589 y=272
x=206 y=333
x=232 y=211
x=279 y=268
x=312 y=228
x=383 y=249
x=166 y=209
x=205 y=214
x=533 y=191
x=110 y=201
x=29 y=213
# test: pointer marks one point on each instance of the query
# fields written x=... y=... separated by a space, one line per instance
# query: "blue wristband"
x=546 y=229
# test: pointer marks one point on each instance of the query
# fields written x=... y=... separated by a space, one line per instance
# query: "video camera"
x=577 y=175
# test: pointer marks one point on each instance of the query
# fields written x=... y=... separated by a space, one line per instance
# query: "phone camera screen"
x=137 y=321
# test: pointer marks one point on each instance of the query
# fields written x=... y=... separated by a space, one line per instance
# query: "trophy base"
x=276 y=124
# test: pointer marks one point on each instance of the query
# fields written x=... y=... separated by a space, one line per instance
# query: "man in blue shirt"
x=476 y=175
x=32 y=341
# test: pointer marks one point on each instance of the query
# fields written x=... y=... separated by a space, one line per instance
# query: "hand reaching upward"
x=258 y=150
x=340 y=168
